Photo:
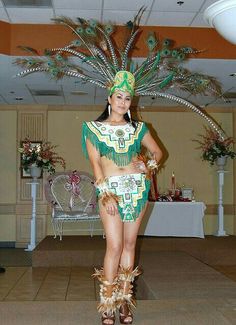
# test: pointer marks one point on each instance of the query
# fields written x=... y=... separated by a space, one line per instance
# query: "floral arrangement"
x=213 y=146
x=40 y=155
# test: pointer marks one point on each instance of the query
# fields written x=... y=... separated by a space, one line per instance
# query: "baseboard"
x=7 y=244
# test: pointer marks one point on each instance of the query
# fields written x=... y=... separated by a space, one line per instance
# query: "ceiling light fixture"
x=78 y=92
x=27 y=3
x=222 y=16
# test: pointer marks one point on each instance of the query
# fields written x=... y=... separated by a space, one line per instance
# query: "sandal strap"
x=105 y=317
x=125 y=309
x=126 y=316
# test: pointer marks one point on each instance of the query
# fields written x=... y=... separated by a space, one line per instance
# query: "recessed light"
x=78 y=92
x=18 y=98
x=27 y=3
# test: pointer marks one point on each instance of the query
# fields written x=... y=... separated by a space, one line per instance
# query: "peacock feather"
x=100 y=59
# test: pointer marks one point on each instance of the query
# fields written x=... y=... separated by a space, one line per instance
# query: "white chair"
x=72 y=197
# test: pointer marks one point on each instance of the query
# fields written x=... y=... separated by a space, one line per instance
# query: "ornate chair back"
x=73 y=198
x=72 y=192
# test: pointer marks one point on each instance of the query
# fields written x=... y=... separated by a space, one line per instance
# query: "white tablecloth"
x=180 y=219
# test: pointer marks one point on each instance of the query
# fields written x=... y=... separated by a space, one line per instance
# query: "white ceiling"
x=159 y=12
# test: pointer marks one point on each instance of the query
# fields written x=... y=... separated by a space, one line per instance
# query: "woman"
x=112 y=143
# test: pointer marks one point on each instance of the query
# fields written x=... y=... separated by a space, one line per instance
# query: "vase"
x=221 y=162
x=35 y=171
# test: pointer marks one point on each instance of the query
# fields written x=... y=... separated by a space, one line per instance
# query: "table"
x=178 y=219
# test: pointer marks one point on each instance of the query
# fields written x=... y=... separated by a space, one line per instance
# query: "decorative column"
x=31 y=123
x=221 y=173
x=35 y=173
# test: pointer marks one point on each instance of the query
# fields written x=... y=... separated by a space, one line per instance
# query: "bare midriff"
x=111 y=169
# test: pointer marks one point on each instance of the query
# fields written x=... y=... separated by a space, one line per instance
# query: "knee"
x=115 y=248
x=129 y=245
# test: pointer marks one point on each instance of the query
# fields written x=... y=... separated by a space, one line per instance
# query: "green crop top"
x=120 y=143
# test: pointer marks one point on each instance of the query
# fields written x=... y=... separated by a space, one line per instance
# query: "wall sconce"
x=222 y=16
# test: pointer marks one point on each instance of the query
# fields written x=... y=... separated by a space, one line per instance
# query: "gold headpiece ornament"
x=124 y=81
x=108 y=68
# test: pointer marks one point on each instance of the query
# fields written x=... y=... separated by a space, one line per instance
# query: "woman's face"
x=120 y=102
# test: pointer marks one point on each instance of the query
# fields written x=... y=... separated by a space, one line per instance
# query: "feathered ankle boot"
x=108 y=298
x=125 y=297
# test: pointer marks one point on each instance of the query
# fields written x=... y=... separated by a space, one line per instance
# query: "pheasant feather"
x=99 y=59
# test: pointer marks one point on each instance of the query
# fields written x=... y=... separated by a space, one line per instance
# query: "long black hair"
x=105 y=115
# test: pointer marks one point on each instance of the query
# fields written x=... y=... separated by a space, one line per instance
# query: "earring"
x=109 y=109
x=129 y=114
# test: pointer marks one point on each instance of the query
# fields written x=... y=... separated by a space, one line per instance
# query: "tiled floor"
x=47 y=284
x=60 y=283
x=21 y=282
x=182 y=283
x=182 y=291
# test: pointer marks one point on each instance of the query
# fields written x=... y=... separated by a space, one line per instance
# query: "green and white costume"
x=120 y=144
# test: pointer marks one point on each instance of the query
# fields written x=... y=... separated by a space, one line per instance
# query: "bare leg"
x=127 y=261
x=113 y=227
x=130 y=236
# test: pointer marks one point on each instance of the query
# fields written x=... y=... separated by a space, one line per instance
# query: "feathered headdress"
x=97 y=50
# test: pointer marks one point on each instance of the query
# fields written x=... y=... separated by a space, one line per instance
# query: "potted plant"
x=41 y=155
x=214 y=148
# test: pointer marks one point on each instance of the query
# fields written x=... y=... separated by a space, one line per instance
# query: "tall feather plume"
x=28 y=50
x=96 y=49
x=151 y=41
x=130 y=35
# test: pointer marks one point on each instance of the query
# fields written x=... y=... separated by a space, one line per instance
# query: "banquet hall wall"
x=174 y=129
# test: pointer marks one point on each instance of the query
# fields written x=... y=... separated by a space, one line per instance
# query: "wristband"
x=152 y=164
x=102 y=186
x=105 y=194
